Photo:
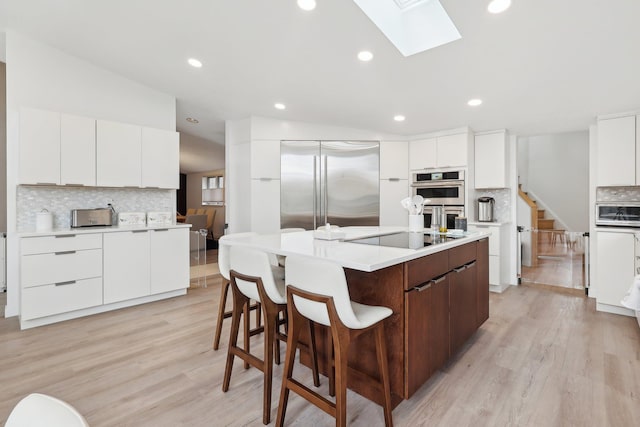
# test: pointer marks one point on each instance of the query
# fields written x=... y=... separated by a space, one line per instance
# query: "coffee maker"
x=486 y=206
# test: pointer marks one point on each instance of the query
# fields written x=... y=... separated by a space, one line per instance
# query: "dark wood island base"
x=438 y=303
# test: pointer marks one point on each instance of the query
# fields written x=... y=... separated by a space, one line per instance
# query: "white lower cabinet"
x=392 y=191
x=615 y=265
x=64 y=276
x=169 y=260
x=60 y=274
x=126 y=266
x=498 y=254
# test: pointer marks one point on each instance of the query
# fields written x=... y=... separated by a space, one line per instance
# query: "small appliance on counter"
x=618 y=214
x=91 y=217
x=159 y=218
x=132 y=218
x=44 y=220
x=485 y=209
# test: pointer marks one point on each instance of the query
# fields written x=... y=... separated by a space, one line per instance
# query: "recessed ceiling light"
x=365 y=56
x=498 y=6
x=307 y=4
x=192 y=120
x=474 y=102
x=399 y=118
x=194 y=62
x=280 y=106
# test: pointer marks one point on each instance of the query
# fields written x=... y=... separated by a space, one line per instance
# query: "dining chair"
x=317 y=292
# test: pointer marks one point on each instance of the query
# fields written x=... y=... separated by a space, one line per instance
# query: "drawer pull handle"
x=471 y=264
x=65 y=253
x=46 y=183
x=70 y=184
x=138 y=231
x=161 y=229
x=70 y=282
x=423 y=287
x=438 y=280
x=459 y=269
x=394 y=179
x=64 y=236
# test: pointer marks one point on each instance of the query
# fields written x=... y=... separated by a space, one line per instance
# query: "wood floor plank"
x=542 y=359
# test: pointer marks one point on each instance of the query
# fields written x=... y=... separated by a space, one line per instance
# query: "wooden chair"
x=225 y=267
x=346 y=320
x=252 y=278
x=211 y=217
x=191 y=211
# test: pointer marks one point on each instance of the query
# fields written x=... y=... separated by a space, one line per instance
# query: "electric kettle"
x=485 y=209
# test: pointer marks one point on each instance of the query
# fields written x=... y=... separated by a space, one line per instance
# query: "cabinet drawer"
x=53 y=299
x=60 y=243
x=43 y=269
x=462 y=255
x=423 y=269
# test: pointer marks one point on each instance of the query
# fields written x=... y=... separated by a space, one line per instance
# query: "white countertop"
x=106 y=229
x=349 y=255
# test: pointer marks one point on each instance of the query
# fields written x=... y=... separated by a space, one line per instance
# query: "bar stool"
x=346 y=320
x=252 y=278
x=223 y=265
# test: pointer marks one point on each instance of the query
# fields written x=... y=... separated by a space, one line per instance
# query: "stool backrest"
x=223 y=252
x=254 y=262
x=40 y=410
x=324 y=278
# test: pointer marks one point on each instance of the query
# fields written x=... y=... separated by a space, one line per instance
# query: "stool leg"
x=381 y=351
x=314 y=355
x=247 y=335
x=331 y=367
x=221 y=308
x=276 y=341
x=270 y=323
x=293 y=333
x=239 y=301
x=340 y=360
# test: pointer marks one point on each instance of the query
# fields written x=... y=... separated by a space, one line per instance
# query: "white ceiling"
x=543 y=66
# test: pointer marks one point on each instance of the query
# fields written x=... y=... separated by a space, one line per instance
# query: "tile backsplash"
x=618 y=194
x=61 y=200
x=502 y=211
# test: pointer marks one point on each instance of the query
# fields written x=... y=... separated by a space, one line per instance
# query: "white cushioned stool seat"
x=40 y=410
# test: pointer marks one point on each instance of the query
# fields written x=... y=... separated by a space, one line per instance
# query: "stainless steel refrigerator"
x=329 y=181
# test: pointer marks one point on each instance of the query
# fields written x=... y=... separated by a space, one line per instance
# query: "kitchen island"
x=439 y=294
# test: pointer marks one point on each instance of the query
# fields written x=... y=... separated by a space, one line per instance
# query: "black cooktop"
x=407 y=240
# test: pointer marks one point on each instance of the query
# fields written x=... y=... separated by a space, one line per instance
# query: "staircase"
x=540 y=223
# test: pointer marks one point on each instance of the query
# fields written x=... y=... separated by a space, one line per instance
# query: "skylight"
x=413 y=26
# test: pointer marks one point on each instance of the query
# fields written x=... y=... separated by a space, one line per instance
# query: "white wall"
x=199 y=154
x=3 y=143
x=43 y=77
x=557 y=174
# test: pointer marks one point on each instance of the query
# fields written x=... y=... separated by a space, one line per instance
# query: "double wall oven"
x=440 y=189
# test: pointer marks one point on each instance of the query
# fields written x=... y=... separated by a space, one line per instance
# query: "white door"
x=77 y=150
x=391 y=211
x=119 y=152
x=394 y=160
x=126 y=266
x=616 y=152
x=160 y=158
x=423 y=154
x=615 y=266
x=39 y=150
x=452 y=150
x=169 y=259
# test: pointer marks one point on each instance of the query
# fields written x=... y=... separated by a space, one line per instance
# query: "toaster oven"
x=91 y=217
x=618 y=214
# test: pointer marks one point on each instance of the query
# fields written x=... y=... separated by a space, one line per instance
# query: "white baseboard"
x=608 y=308
x=498 y=288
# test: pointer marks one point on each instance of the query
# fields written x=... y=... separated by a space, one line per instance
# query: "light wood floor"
x=560 y=264
x=542 y=359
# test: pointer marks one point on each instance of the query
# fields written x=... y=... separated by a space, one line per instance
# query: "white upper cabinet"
x=423 y=154
x=160 y=158
x=39 y=157
x=77 y=150
x=439 y=152
x=119 y=152
x=394 y=160
x=391 y=211
x=452 y=150
x=265 y=159
x=491 y=160
x=616 y=153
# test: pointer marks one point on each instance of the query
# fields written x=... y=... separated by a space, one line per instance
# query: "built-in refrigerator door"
x=350 y=176
x=300 y=184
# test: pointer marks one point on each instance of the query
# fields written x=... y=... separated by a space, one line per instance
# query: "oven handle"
x=428 y=184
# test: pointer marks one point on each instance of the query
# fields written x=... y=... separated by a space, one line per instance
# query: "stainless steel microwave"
x=618 y=214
